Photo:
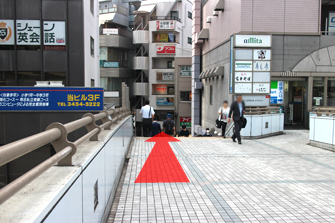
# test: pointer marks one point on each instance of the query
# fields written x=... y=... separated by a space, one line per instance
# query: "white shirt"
x=224 y=113
x=145 y=111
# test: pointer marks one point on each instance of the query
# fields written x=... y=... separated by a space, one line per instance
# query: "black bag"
x=244 y=122
x=218 y=123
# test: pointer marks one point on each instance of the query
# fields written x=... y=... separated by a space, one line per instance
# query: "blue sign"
x=171 y=37
x=111 y=64
x=164 y=101
x=51 y=99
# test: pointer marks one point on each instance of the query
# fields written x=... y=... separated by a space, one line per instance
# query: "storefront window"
x=318 y=90
x=7 y=78
x=28 y=78
x=185 y=96
x=331 y=91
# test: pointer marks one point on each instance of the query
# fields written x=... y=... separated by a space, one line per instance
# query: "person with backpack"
x=168 y=125
x=223 y=116
x=148 y=114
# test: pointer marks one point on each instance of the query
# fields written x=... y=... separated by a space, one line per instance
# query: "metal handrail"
x=56 y=134
x=324 y=111
x=262 y=110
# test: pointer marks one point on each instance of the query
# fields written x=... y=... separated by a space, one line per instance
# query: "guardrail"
x=56 y=134
x=262 y=110
x=324 y=111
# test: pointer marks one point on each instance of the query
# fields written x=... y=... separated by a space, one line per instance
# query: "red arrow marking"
x=162 y=165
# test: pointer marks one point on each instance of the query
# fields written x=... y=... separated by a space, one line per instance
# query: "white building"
x=163 y=34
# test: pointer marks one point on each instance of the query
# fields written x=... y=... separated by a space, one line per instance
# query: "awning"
x=106 y=17
x=218 y=71
x=219 y=6
x=204 y=34
x=144 y=9
x=213 y=72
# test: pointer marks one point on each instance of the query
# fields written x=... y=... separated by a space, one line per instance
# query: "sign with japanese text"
x=261 y=88
x=166 y=49
x=262 y=54
x=51 y=99
x=185 y=71
x=161 y=89
x=110 y=64
x=243 y=65
x=262 y=66
x=243 y=76
x=165 y=24
x=7 y=32
x=277 y=92
x=165 y=76
x=110 y=31
x=28 y=32
x=186 y=121
x=162 y=37
x=54 y=33
x=243 y=88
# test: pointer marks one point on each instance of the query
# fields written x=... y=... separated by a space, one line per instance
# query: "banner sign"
x=111 y=64
x=186 y=121
x=54 y=33
x=162 y=37
x=261 y=88
x=166 y=49
x=7 y=32
x=277 y=92
x=28 y=32
x=110 y=31
x=262 y=54
x=256 y=100
x=165 y=24
x=164 y=101
x=331 y=23
x=51 y=99
x=171 y=37
x=243 y=65
x=253 y=40
x=243 y=76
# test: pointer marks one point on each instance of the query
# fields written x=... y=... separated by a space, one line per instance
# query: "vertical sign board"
x=277 y=92
x=331 y=23
x=231 y=64
x=51 y=99
x=7 y=32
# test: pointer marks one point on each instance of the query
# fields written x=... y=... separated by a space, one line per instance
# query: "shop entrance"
x=295 y=105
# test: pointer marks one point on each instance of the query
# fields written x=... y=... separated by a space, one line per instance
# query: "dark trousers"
x=224 y=125
x=237 y=131
x=147 y=127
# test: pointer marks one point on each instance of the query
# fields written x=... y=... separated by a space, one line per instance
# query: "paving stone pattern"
x=276 y=179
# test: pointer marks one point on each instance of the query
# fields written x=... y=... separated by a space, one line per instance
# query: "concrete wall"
x=66 y=194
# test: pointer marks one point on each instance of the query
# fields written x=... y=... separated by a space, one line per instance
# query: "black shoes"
x=239 y=142
x=234 y=140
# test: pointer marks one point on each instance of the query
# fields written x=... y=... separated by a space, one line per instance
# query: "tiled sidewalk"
x=277 y=179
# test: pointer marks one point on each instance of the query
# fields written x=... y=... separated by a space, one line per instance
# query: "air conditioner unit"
x=209 y=19
x=215 y=13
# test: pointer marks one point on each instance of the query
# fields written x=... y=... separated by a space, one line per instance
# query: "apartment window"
x=185 y=96
x=189 y=40
x=190 y=15
x=92 y=6
x=92 y=47
x=211 y=95
x=169 y=64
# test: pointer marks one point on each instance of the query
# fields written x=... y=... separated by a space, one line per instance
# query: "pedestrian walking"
x=169 y=126
x=237 y=109
x=223 y=115
x=184 y=132
x=156 y=127
x=148 y=114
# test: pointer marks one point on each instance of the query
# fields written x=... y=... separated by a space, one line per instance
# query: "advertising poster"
x=171 y=37
x=165 y=101
x=165 y=24
x=166 y=49
x=47 y=99
x=277 y=92
x=7 y=32
x=162 y=38
x=161 y=89
x=28 y=32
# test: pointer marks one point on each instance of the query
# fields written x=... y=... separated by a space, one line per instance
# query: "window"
x=174 y=15
x=185 y=96
x=185 y=71
x=7 y=78
x=28 y=78
x=92 y=83
x=318 y=90
x=189 y=40
x=92 y=6
x=92 y=47
x=211 y=95
x=331 y=91
x=190 y=15
x=169 y=64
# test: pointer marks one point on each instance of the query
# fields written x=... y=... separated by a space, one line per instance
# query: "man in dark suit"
x=156 y=127
x=237 y=108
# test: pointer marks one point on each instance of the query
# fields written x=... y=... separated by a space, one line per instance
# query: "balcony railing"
x=165 y=18
x=116 y=8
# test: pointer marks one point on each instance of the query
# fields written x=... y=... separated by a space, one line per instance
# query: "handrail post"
x=92 y=126
x=106 y=119
x=62 y=142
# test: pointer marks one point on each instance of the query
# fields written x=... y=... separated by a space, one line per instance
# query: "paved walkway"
x=277 y=179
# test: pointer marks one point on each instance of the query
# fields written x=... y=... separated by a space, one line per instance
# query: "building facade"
x=275 y=53
x=163 y=36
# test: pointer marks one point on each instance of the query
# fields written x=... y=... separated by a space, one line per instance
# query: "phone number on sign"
x=79 y=104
